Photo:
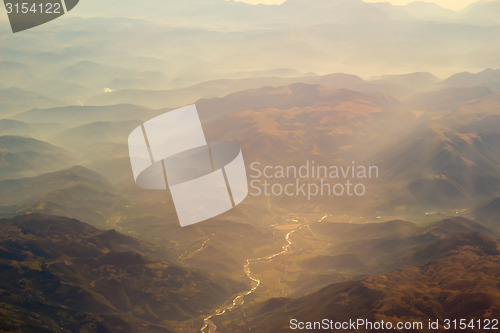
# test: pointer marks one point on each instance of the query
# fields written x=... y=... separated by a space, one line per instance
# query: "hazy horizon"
x=455 y=5
x=375 y=40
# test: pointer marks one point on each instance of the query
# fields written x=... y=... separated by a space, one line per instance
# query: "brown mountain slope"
x=301 y=122
x=58 y=273
x=488 y=213
x=462 y=285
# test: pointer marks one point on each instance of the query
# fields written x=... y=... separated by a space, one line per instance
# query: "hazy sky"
x=451 y=4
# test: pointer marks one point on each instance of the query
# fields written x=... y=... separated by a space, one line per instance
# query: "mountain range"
x=442 y=155
x=59 y=273
x=68 y=192
x=226 y=40
x=459 y=279
x=413 y=90
x=23 y=157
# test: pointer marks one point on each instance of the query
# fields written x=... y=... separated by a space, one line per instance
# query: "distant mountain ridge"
x=15 y=99
x=488 y=78
x=68 y=192
x=24 y=157
x=80 y=115
x=10 y=127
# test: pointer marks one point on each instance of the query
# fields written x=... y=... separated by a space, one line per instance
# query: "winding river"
x=209 y=326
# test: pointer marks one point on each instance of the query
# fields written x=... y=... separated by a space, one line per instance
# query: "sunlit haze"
x=450 y=4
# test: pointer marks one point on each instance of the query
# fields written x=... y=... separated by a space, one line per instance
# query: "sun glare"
x=449 y=4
